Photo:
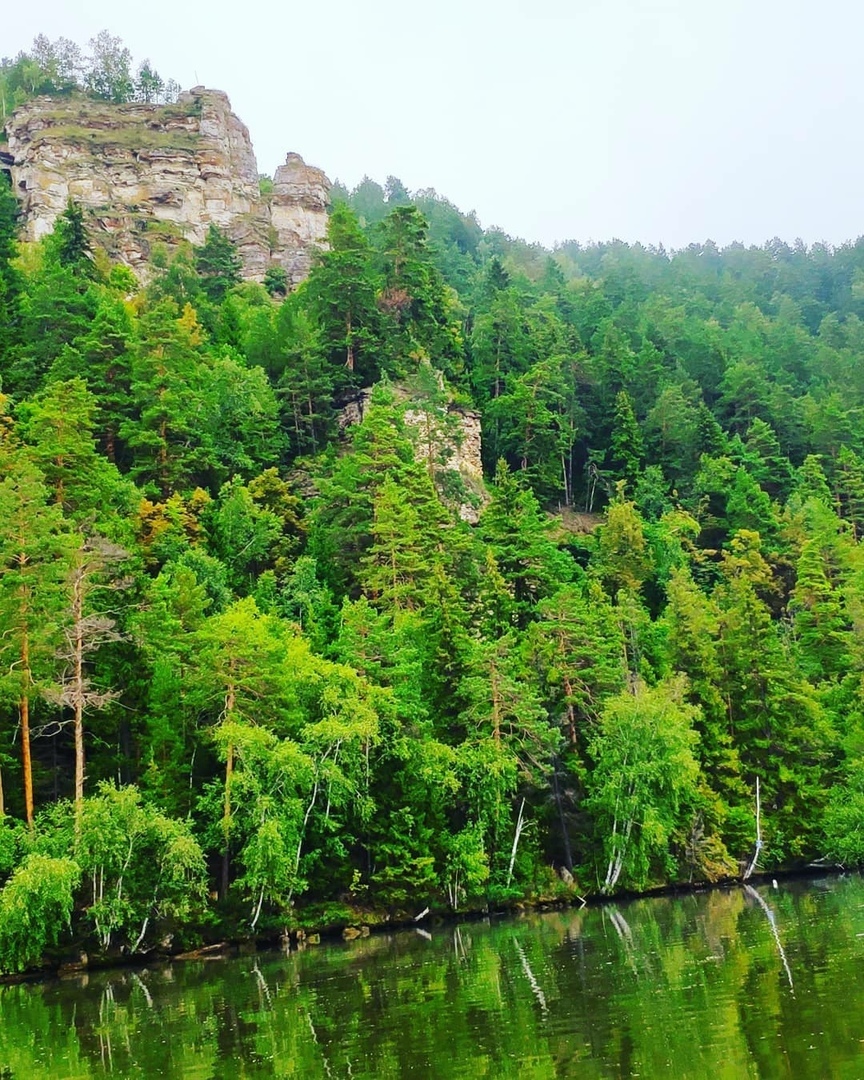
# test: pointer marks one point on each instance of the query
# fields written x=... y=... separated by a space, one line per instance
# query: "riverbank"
x=728 y=982
x=331 y=922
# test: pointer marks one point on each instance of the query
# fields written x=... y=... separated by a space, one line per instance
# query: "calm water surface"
x=734 y=983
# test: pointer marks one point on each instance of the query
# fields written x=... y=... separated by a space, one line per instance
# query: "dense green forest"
x=255 y=667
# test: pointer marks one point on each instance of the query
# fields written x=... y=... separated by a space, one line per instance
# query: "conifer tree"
x=342 y=289
x=93 y=571
x=102 y=358
x=218 y=264
x=71 y=240
x=518 y=536
x=626 y=449
x=58 y=425
x=577 y=654
x=168 y=442
x=33 y=551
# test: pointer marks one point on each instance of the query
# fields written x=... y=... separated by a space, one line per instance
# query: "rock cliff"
x=149 y=174
x=447 y=437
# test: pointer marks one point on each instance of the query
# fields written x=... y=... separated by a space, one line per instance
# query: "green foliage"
x=218 y=264
x=346 y=661
x=342 y=291
x=141 y=866
x=59 y=68
x=10 y=281
x=644 y=781
x=72 y=244
x=35 y=908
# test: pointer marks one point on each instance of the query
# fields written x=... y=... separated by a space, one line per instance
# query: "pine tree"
x=33 y=551
x=93 y=570
x=342 y=290
x=218 y=264
x=414 y=301
x=102 y=358
x=518 y=536
x=778 y=725
x=848 y=486
x=305 y=382
x=167 y=440
x=626 y=449
x=577 y=654
x=623 y=556
x=693 y=649
x=394 y=567
x=58 y=424
x=71 y=241
x=509 y=742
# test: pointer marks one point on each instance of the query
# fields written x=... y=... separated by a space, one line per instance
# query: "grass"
x=130 y=126
x=134 y=138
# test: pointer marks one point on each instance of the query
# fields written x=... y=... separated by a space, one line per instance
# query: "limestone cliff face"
x=150 y=174
x=447 y=438
x=298 y=213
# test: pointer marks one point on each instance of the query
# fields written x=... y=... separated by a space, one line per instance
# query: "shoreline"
x=372 y=922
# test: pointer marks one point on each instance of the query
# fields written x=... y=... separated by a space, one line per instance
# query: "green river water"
x=758 y=982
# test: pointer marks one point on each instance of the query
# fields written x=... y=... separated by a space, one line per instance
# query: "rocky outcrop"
x=448 y=438
x=450 y=441
x=298 y=213
x=149 y=174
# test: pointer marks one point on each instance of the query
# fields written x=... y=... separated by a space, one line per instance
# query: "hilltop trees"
x=62 y=67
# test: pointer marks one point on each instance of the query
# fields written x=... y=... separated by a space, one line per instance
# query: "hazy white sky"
x=657 y=120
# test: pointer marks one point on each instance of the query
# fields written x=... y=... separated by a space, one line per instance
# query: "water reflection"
x=744 y=982
x=772 y=922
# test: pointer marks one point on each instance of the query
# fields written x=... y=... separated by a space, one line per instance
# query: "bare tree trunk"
x=566 y=481
x=230 y=703
x=306 y=817
x=24 y=717
x=78 y=676
x=757 y=850
x=520 y=824
x=349 y=356
x=226 y=823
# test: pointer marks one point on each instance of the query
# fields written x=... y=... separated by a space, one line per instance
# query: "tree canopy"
x=260 y=626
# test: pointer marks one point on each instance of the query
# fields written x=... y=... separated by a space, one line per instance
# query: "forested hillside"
x=254 y=665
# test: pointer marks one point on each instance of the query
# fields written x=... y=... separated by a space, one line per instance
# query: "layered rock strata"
x=162 y=174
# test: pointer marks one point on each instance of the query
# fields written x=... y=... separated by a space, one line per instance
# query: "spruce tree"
x=218 y=264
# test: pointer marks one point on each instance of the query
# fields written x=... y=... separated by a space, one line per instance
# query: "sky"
x=660 y=121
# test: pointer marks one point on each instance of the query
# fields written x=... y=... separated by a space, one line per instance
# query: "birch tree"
x=645 y=777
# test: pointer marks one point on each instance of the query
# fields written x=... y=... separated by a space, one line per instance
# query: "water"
x=731 y=983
